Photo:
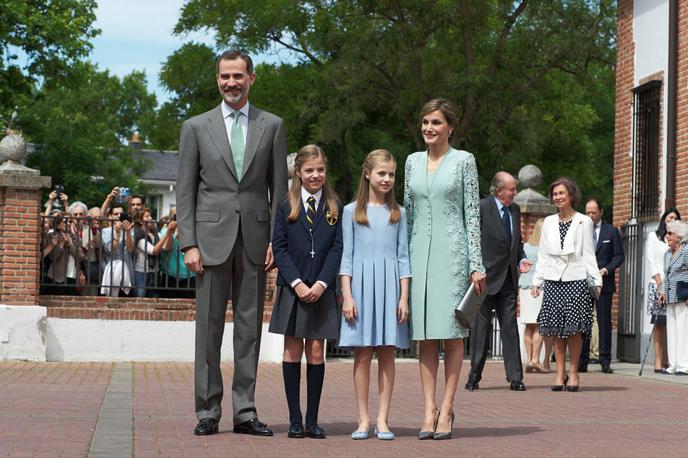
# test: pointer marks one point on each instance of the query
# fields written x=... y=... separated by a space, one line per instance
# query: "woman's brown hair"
x=571 y=188
x=448 y=110
x=361 y=212
x=307 y=153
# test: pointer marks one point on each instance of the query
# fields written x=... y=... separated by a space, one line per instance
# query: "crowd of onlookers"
x=118 y=249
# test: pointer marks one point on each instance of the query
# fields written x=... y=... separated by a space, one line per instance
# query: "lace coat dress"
x=443 y=212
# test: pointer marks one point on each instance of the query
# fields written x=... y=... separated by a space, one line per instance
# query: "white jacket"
x=575 y=261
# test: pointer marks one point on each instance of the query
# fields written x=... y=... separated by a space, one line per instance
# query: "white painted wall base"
x=22 y=332
x=118 y=340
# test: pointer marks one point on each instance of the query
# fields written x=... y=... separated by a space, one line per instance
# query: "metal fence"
x=88 y=256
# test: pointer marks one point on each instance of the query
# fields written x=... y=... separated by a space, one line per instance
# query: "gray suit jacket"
x=212 y=203
x=498 y=255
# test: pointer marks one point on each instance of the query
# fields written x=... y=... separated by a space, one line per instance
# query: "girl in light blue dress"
x=375 y=277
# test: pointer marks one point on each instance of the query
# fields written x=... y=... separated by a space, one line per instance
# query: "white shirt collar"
x=227 y=110
x=305 y=195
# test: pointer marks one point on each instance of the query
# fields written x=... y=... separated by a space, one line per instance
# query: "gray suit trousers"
x=246 y=281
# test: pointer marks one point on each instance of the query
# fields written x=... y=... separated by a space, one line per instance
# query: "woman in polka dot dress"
x=566 y=258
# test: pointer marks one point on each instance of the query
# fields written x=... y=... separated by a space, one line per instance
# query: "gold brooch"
x=331 y=220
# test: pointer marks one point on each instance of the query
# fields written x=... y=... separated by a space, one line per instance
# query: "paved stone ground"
x=73 y=410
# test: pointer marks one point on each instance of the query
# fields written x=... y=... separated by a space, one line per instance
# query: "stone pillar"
x=533 y=204
x=22 y=320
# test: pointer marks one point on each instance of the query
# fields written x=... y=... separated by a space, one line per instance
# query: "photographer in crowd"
x=177 y=279
x=118 y=246
x=60 y=254
x=57 y=200
x=148 y=247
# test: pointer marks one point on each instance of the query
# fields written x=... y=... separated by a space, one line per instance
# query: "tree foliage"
x=79 y=129
x=40 y=39
x=531 y=77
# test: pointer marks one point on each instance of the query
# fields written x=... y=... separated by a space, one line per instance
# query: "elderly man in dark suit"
x=610 y=256
x=503 y=257
x=232 y=172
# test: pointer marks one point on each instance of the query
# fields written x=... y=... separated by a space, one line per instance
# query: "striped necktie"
x=236 y=141
x=310 y=210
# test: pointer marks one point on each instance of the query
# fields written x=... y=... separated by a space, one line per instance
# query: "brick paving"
x=52 y=409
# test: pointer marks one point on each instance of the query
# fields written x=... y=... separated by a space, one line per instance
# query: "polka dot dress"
x=566 y=305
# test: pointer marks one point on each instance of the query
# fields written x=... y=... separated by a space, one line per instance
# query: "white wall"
x=651 y=37
x=124 y=340
x=22 y=332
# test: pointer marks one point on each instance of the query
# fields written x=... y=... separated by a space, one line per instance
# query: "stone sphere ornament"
x=12 y=148
x=530 y=176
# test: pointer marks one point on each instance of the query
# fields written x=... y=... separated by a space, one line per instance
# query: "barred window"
x=646 y=112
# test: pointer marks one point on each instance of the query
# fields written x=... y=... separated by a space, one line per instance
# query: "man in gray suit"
x=503 y=257
x=232 y=172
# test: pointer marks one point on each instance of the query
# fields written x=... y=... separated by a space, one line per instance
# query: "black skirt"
x=291 y=317
x=566 y=309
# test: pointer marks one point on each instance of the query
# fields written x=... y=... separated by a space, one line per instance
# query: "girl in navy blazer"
x=307 y=245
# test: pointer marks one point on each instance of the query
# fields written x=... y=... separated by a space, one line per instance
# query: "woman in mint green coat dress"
x=442 y=208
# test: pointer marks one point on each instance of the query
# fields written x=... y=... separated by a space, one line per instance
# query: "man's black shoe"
x=606 y=369
x=253 y=427
x=517 y=385
x=206 y=427
x=472 y=385
x=582 y=368
x=315 y=431
x=296 y=430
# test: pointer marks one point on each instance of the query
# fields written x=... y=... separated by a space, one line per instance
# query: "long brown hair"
x=361 y=213
x=307 y=153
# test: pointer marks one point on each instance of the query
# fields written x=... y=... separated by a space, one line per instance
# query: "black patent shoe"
x=206 y=427
x=561 y=387
x=314 y=431
x=253 y=427
x=472 y=385
x=438 y=436
x=517 y=385
x=296 y=430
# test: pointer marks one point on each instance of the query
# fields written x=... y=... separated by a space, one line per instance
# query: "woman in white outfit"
x=675 y=295
x=655 y=249
x=529 y=308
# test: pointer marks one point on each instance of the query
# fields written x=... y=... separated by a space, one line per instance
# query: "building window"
x=646 y=112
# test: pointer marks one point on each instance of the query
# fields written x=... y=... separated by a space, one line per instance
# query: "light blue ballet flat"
x=359 y=435
x=384 y=435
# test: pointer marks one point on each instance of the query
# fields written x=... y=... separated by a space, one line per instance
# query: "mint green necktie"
x=236 y=141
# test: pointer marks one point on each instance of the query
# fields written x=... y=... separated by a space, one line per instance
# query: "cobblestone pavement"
x=81 y=409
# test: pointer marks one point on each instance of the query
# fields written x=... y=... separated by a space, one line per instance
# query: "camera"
x=124 y=217
x=123 y=194
x=58 y=189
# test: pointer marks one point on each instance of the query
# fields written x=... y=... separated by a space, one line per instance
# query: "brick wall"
x=625 y=66
x=139 y=308
x=19 y=246
x=682 y=111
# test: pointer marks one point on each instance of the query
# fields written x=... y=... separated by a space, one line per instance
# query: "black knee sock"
x=315 y=375
x=291 y=372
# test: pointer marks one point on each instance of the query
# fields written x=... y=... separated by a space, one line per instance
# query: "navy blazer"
x=291 y=246
x=610 y=255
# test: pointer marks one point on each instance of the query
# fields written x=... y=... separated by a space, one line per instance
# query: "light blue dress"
x=376 y=258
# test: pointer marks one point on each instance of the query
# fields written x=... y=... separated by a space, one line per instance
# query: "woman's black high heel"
x=427 y=435
x=445 y=435
x=561 y=387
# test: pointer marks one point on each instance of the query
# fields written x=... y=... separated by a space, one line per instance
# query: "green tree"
x=40 y=39
x=79 y=129
x=524 y=74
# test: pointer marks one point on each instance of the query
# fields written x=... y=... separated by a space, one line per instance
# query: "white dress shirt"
x=243 y=120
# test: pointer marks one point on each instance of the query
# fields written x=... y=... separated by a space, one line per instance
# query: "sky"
x=137 y=35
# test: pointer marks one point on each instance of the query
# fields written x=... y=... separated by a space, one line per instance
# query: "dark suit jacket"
x=212 y=204
x=610 y=255
x=498 y=256
x=291 y=246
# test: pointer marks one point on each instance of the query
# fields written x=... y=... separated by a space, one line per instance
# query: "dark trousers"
x=603 y=306
x=504 y=304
